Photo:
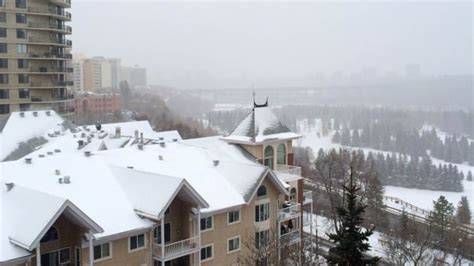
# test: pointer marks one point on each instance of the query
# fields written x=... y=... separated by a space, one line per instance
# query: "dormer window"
x=262 y=191
x=281 y=154
x=51 y=235
x=268 y=157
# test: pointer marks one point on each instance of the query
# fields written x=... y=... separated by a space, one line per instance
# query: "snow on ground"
x=228 y=107
x=418 y=197
x=441 y=134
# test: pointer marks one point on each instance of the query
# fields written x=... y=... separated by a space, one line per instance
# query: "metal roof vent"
x=48 y=113
x=28 y=160
x=41 y=155
x=57 y=150
x=98 y=126
x=9 y=186
x=130 y=167
x=57 y=132
x=140 y=146
x=136 y=135
x=89 y=139
x=60 y=180
x=22 y=114
x=161 y=138
x=49 y=153
x=80 y=144
x=175 y=140
x=35 y=113
x=67 y=179
x=160 y=157
x=118 y=132
x=216 y=162
x=83 y=134
x=87 y=153
x=162 y=144
x=57 y=172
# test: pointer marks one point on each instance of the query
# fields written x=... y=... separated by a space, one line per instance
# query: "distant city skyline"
x=244 y=44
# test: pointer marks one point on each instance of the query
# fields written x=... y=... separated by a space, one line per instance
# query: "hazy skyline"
x=242 y=44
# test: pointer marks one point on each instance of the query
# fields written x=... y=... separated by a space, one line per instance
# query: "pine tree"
x=469 y=176
x=351 y=241
x=441 y=216
x=463 y=213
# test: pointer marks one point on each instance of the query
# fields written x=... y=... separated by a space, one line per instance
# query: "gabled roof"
x=259 y=126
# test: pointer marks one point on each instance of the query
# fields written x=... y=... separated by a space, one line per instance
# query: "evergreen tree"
x=463 y=213
x=346 y=137
x=351 y=241
x=441 y=216
x=469 y=176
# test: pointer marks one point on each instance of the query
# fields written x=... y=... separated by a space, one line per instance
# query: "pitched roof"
x=259 y=126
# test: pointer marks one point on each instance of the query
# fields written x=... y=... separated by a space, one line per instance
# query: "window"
x=20 y=34
x=2 y=2
x=157 y=233
x=136 y=242
x=102 y=251
x=3 y=32
x=262 y=191
x=206 y=253
x=51 y=235
x=4 y=108
x=58 y=257
x=233 y=244
x=21 y=18
x=3 y=48
x=20 y=3
x=262 y=212
x=206 y=223
x=24 y=93
x=3 y=78
x=293 y=194
x=3 y=15
x=21 y=48
x=281 y=154
x=22 y=63
x=4 y=94
x=233 y=217
x=3 y=63
x=25 y=107
x=262 y=238
x=268 y=157
x=23 y=78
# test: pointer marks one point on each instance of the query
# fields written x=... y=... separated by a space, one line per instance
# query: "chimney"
x=141 y=137
x=136 y=135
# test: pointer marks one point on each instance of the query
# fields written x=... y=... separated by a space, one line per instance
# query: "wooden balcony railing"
x=176 y=249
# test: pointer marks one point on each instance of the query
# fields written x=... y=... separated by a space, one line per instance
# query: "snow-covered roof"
x=259 y=126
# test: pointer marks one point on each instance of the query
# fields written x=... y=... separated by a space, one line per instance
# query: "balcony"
x=307 y=197
x=49 y=84
x=291 y=237
x=38 y=99
x=287 y=169
x=176 y=249
x=51 y=26
x=50 y=41
x=49 y=56
x=62 y=3
x=289 y=211
x=50 y=11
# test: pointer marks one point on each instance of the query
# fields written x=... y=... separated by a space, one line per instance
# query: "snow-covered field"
x=418 y=197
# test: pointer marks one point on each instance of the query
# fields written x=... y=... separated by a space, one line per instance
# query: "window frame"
x=7 y=106
x=2 y=51
x=258 y=238
x=4 y=94
x=212 y=252
x=6 y=62
x=278 y=154
x=22 y=15
x=21 y=48
x=228 y=244
x=265 y=189
x=3 y=29
x=101 y=249
x=229 y=216
x=260 y=213
x=57 y=234
x=130 y=250
x=207 y=228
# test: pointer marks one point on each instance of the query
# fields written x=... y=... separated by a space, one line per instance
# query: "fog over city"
x=245 y=44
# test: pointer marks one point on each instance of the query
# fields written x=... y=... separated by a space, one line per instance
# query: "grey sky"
x=240 y=44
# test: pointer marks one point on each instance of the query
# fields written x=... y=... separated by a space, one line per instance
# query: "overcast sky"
x=245 y=44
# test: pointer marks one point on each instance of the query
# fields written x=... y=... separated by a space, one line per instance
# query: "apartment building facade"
x=154 y=201
x=35 y=70
x=97 y=103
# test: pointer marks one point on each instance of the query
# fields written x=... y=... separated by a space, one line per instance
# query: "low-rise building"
x=121 y=194
x=97 y=103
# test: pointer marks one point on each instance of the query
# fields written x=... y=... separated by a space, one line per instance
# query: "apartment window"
x=233 y=217
x=206 y=253
x=206 y=223
x=102 y=251
x=4 y=109
x=262 y=191
x=3 y=63
x=2 y=2
x=3 y=78
x=136 y=242
x=157 y=233
x=25 y=107
x=3 y=32
x=22 y=63
x=293 y=194
x=21 y=48
x=3 y=15
x=233 y=244
x=3 y=48
x=262 y=238
x=24 y=93
x=262 y=212
x=20 y=34
x=21 y=18
x=23 y=78
x=20 y=3
x=58 y=257
x=51 y=235
x=4 y=94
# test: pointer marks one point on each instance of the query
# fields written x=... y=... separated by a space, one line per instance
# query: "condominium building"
x=35 y=71
x=122 y=194
x=136 y=76
x=97 y=103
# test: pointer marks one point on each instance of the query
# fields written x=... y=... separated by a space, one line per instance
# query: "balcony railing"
x=51 y=55
x=50 y=11
x=307 y=197
x=54 y=26
x=50 y=41
x=290 y=237
x=51 y=83
x=51 y=99
x=288 y=212
x=176 y=249
x=63 y=3
x=288 y=169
